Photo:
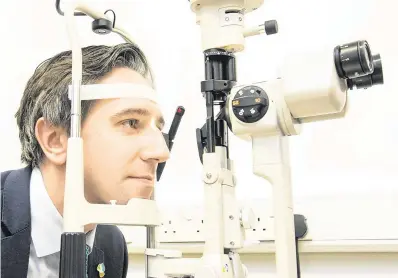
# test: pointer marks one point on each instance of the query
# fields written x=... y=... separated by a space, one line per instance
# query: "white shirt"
x=47 y=228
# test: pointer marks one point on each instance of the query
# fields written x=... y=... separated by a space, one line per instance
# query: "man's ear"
x=53 y=141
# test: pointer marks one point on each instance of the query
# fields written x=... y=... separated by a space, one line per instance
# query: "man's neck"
x=54 y=182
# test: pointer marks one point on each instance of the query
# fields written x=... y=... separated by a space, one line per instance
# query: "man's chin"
x=129 y=189
x=138 y=189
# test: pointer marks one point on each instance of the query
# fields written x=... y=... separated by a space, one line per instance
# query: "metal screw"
x=208 y=175
x=240 y=19
x=232 y=243
x=231 y=217
x=227 y=19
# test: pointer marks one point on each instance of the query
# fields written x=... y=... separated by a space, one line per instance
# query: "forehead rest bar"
x=121 y=90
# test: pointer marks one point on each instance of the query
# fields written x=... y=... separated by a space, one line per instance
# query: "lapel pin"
x=101 y=270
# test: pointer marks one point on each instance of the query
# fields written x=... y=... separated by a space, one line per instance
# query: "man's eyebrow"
x=137 y=111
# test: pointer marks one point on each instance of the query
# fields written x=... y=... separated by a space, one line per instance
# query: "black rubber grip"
x=176 y=122
x=73 y=255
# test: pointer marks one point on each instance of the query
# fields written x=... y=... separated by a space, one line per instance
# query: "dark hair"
x=46 y=92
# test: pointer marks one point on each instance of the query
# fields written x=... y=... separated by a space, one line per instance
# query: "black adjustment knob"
x=271 y=27
x=250 y=104
x=102 y=26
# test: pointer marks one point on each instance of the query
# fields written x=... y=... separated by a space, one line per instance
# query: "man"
x=122 y=147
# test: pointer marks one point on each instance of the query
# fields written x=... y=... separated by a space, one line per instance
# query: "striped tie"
x=87 y=253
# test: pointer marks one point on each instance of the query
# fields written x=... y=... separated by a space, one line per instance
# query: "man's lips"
x=145 y=177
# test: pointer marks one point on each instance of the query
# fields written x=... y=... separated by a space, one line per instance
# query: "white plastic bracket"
x=169 y=263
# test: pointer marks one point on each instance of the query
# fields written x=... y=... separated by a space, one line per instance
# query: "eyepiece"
x=364 y=82
x=355 y=63
x=377 y=75
x=353 y=59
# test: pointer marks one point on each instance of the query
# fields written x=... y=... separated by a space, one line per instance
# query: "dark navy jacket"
x=109 y=245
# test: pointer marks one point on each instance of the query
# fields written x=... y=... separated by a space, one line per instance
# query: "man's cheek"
x=129 y=144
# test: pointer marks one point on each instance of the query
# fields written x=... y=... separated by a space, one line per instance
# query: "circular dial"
x=250 y=104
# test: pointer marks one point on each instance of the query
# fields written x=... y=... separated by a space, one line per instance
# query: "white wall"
x=337 y=158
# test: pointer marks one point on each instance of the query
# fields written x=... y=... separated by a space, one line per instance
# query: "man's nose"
x=155 y=147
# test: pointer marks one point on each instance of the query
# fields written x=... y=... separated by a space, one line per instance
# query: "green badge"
x=101 y=270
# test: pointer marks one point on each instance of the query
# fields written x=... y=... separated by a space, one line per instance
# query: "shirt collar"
x=47 y=223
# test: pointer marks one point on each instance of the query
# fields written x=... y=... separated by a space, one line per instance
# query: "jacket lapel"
x=16 y=223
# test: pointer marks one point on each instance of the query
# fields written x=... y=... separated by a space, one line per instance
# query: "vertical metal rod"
x=208 y=69
x=150 y=242
x=210 y=122
x=217 y=69
x=75 y=109
x=231 y=68
x=72 y=249
x=298 y=259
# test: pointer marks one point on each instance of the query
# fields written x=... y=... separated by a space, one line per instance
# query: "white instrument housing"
x=298 y=97
x=222 y=22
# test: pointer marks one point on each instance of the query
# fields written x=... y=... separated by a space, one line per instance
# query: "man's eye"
x=132 y=123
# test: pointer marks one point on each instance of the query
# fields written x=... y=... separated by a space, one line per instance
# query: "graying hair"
x=46 y=92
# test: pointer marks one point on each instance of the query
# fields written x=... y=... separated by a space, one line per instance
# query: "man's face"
x=123 y=145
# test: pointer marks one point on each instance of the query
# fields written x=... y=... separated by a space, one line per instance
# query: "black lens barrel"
x=355 y=63
x=353 y=59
